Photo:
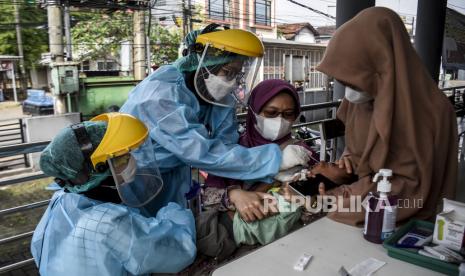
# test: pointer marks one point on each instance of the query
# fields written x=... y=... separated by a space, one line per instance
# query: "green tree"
x=164 y=44
x=165 y=41
x=98 y=34
x=33 y=21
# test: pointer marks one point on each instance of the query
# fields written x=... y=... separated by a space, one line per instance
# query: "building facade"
x=299 y=32
x=254 y=15
x=294 y=62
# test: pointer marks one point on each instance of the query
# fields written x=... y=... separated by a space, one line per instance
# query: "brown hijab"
x=410 y=127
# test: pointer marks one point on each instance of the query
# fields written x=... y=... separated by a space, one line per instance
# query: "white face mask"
x=357 y=97
x=129 y=173
x=273 y=128
x=219 y=86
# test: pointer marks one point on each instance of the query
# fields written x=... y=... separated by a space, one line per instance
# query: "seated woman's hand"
x=250 y=204
x=346 y=163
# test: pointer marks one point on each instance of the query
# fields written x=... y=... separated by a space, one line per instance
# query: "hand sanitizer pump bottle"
x=381 y=210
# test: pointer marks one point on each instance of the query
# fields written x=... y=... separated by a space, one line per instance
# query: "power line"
x=226 y=16
x=246 y=15
x=237 y=3
x=113 y=43
x=89 y=5
x=312 y=9
x=169 y=11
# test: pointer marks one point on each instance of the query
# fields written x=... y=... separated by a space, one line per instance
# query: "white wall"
x=461 y=75
x=39 y=77
x=126 y=56
x=323 y=40
x=44 y=128
x=305 y=35
x=266 y=33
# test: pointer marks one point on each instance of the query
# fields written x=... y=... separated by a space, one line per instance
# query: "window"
x=294 y=67
x=69 y=73
x=107 y=65
x=218 y=9
x=263 y=12
x=111 y=65
x=101 y=65
x=161 y=3
x=85 y=65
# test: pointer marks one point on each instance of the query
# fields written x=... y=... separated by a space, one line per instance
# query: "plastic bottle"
x=381 y=211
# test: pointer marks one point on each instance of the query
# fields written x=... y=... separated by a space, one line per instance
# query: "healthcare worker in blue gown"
x=190 y=109
x=97 y=222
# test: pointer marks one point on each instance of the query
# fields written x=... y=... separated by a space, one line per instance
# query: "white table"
x=332 y=245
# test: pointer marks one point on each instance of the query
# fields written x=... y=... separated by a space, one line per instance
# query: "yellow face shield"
x=136 y=175
x=228 y=66
x=124 y=133
x=227 y=82
x=126 y=150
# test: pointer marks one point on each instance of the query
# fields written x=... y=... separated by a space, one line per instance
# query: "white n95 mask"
x=272 y=128
x=357 y=97
x=218 y=86
x=129 y=172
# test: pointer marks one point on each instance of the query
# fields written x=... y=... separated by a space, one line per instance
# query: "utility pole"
x=412 y=32
x=147 y=40
x=189 y=14
x=139 y=45
x=55 y=37
x=69 y=54
x=184 y=19
x=148 y=54
x=19 y=40
x=55 y=34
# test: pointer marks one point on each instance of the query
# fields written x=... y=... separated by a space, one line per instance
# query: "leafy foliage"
x=34 y=35
x=97 y=35
x=94 y=34
x=164 y=44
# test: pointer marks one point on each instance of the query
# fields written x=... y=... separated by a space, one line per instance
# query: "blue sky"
x=287 y=12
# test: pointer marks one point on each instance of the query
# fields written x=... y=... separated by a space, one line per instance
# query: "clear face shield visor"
x=136 y=175
x=224 y=78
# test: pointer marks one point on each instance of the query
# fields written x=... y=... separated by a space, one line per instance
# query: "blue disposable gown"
x=81 y=236
x=187 y=134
